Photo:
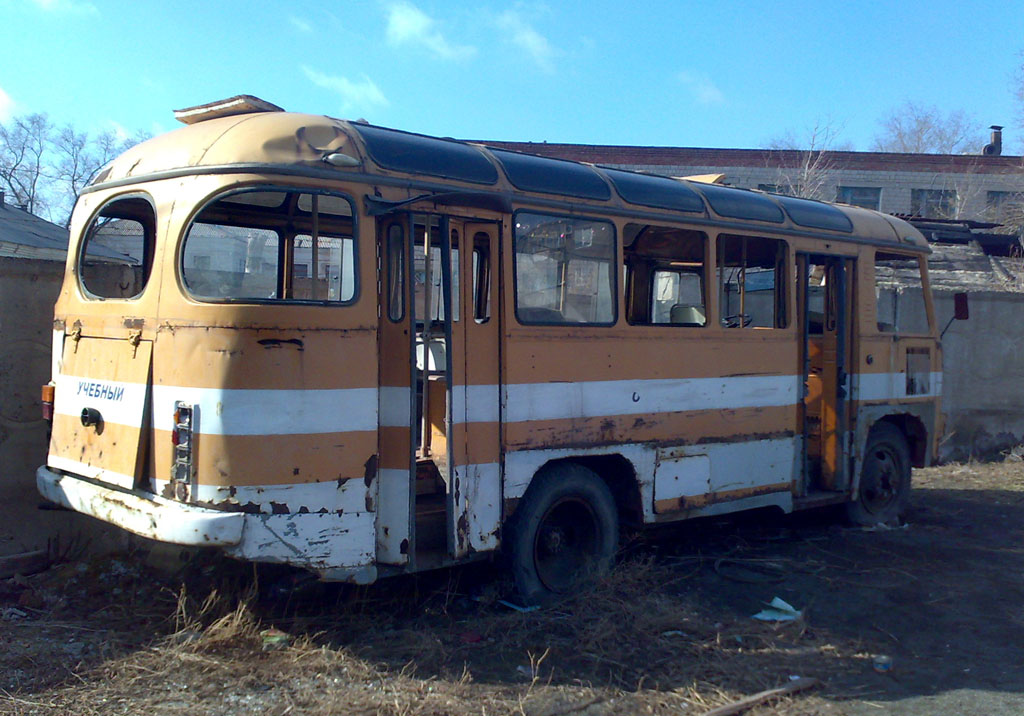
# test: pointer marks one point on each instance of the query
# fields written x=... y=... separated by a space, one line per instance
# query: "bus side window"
x=396 y=272
x=481 y=277
x=899 y=294
x=751 y=282
x=665 y=276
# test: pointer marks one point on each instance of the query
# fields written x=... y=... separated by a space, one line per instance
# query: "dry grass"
x=668 y=632
x=630 y=644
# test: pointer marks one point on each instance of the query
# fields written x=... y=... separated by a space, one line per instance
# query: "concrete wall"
x=28 y=290
x=983 y=383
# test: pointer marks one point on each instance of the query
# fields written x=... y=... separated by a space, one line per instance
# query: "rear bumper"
x=143 y=513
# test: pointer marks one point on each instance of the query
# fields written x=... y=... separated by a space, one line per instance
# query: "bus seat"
x=438 y=358
x=687 y=314
x=539 y=314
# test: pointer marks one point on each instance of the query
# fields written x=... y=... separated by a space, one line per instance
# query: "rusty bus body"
x=279 y=374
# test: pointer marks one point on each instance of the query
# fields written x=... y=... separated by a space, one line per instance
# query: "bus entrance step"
x=819 y=498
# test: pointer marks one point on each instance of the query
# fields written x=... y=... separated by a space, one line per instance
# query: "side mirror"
x=961 y=312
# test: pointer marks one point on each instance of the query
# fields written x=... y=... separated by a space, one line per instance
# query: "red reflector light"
x=175 y=439
x=47 y=394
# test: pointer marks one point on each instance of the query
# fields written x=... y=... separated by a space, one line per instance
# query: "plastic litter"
x=517 y=607
x=274 y=639
x=779 y=610
x=882 y=663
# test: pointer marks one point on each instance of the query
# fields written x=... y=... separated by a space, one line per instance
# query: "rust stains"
x=370 y=467
x=279 y=342
x=692 y=502
x=462 y=529
x=509 y=505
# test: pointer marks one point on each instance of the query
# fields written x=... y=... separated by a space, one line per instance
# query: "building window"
x=787 y=189
x=869 y=197
x=933 y=203
x=1004 y=206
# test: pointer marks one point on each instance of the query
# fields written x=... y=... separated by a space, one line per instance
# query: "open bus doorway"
x=825 y=310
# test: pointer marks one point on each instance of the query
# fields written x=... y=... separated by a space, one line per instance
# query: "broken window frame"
x=96 y=223
x=780 y=289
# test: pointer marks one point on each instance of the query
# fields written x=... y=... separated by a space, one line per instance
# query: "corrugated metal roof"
x=25 y=235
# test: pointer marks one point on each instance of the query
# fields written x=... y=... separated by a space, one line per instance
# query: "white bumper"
x=142 y=513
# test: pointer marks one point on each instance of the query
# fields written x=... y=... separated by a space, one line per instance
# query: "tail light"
x=47 y=396
x=182 y=439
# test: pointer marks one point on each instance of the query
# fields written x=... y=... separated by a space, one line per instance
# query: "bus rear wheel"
x=564 y=531
x=884 y=478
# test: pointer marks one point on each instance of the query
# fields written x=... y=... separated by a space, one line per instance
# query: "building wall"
x=896 y=186
x=28 y=290
x=983 y=384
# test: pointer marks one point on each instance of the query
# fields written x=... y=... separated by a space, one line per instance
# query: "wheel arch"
x=911 y=420
x=616 y=471
x=914 y=432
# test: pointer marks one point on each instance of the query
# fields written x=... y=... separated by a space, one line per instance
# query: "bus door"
x=825 y=298
x=473 y=420
x=396 y=486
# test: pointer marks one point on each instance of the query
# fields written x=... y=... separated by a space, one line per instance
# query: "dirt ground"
x=669 y=632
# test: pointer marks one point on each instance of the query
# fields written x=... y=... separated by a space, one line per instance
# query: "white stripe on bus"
x=313 y=411
x=605 y=398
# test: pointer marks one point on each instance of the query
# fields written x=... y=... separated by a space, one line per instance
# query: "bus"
x=367 y=352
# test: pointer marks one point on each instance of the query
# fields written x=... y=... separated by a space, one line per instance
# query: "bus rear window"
x=272 y=245
x=117 y=254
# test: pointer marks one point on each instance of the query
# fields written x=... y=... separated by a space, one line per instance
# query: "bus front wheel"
x=884 y=478
x=564 y=531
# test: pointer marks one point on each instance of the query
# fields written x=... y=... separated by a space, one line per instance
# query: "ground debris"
x=666 y=633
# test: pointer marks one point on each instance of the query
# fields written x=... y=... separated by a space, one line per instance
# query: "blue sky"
x=717 y=74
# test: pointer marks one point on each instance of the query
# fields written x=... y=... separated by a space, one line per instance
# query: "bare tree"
x=921 y=129
x=805 y=168
x=23 y=154
x=44 y=169
x=78 y=157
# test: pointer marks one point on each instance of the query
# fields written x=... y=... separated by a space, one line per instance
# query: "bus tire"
x=564 y=531
x=884 y=487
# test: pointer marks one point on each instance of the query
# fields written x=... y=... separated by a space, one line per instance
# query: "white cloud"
x=526 y=38
x=119 y=131
x=299 y=24
x=6 y=106
x=408 y=25
x=80 y=7
x=701 y=87
x=355 y=95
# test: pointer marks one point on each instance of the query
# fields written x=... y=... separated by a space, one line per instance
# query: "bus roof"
x=271 y=140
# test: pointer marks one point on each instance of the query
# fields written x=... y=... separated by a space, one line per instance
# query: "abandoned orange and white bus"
x=365 y=352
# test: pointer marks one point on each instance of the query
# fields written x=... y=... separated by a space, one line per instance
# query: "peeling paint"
x=371 y=469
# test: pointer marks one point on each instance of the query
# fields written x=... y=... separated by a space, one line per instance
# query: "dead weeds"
x=669 y=631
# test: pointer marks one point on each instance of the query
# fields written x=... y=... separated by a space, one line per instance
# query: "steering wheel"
x=737 y=319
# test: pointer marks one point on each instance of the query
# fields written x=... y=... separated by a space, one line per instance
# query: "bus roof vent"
x=239 y=104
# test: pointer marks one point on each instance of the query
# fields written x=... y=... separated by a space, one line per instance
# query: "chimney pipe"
x=1 y=198
x=995 y=147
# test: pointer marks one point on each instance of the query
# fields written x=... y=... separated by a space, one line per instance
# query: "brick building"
x=985 y=186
